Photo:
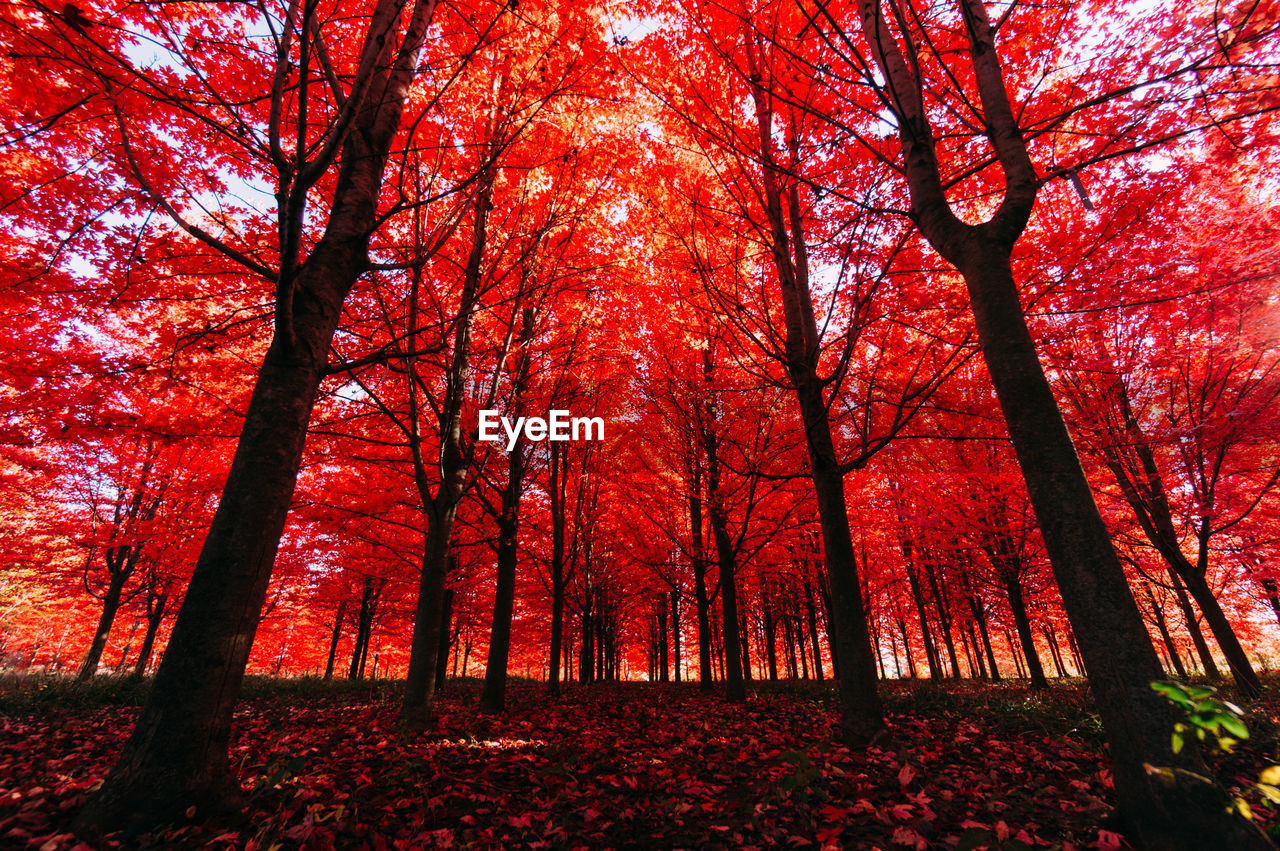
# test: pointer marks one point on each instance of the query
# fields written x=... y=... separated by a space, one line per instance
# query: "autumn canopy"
x=475 y=347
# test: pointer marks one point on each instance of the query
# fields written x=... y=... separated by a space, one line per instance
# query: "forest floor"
x=624 y=766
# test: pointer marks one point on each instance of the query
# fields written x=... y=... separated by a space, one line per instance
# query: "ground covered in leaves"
x=624 y=766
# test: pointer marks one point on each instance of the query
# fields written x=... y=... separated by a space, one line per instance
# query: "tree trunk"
x=811 y=611
x=586 y=664
x=334 y=636
x=110 y=605
x=1245 y=677
x=1162 y=625
x=1112 y=637
x=861 y=715
x=1018 y=606
x=980 y=617
x=557 y=480
x=663 y=659
x=155 y=616
x=1273 y=596
x=1144 y=490
x=906 y=647
x=770 y=636
x=944 y=615
x=441 y=507
x=789 y=645
x=700 y=581
x=977 y=652
x=675 y=632
x=493 y=694
x=1207 y=661
x=735 y=690
x=419 y=684
x=1095 y=593
x=930 y=650
x=442 y=660
x=1046 y=630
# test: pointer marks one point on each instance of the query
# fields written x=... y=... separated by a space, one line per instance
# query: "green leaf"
x=1173 y=691
x=1177 y=741
x=1235 y=727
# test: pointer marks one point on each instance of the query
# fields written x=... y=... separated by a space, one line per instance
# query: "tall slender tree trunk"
x=735 y=689
x=977 y=652
x=441 y=506
x=1246 y=678
x=493 y=693
x=1207 y=662
x=558 y=481
x=861 y=714
x=156 y=609
x=980 y=618
x=906 y=646
x=1018 y=605
x=586 y=662
x=811 y=611
x=770 y=635
x=675 y=632
x=1144 y=490
x=1162 y=624
x=110 y=605
x=930 y=650
x=663 y=656
x=700 y=580
x=944 y=615
x=442 y=659
x=1051 y=640
x=334 y=635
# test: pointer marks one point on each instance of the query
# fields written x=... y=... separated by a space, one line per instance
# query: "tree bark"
x=770 y=636
x=663 y=658
x=442 y=659
x=493 y=693
x=156 y=608
x=811 y=611
x=861 y=715
x=675 y=632
x=1013 y=588
x=558 y=481
x=1207 y=661
x=700 y=580
x=110 y=605
x=1162 y=624
x=334 y=636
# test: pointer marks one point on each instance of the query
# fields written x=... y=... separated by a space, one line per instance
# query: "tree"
x=1112 y=636
x=176 y=758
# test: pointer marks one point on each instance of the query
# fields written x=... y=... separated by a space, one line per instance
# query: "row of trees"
x=723 y=238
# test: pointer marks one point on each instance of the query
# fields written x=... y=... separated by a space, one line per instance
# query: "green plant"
x=1206 y=716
